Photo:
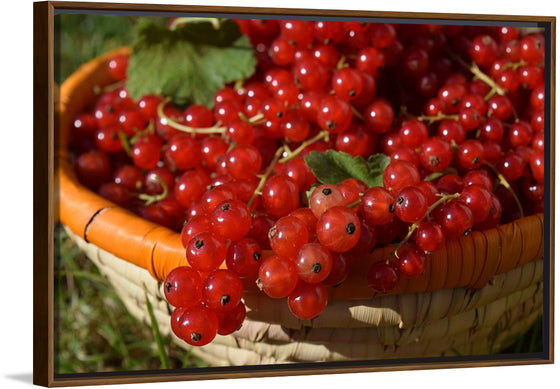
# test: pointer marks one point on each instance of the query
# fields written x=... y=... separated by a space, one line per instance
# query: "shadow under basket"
x=477 y=294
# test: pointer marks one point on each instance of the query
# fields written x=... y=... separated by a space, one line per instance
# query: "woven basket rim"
x=159 y=250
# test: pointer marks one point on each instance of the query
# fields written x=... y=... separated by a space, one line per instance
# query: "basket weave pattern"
x=475 y=295
x=445 y=322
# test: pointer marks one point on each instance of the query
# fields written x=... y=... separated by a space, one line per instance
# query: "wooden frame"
x=45 y=207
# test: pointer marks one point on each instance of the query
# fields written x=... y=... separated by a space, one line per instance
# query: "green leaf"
x=376 y=166
x=188 y=64
x=333 y=167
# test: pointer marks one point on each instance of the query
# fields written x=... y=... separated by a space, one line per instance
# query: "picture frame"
x=46 y=209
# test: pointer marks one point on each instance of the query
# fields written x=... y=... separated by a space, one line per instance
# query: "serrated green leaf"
x=376 y=166
x=188 y=64
x=333 y=167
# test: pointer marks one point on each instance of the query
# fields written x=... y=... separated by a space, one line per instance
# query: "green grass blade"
x=535 y=344
x=157 y=335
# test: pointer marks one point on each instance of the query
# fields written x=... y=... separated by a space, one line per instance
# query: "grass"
x=94 y=330
x=530 y=342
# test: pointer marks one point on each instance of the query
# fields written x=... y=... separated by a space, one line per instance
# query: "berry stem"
x=436 y=175
x=341 y=63
x=258 y=189
x=148 y=130
x=292 y=154
x=444 y=198
x=353 y=204
x=150 y=199
x=255 y=120
x=475 y=70
x=191 y=130
x=125 y=143
x=494 y=88
x=514 y=65
x=438 y=117
x=506 y=184
x=357 y=113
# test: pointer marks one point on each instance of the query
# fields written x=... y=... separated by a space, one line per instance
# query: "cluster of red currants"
x=458 y=109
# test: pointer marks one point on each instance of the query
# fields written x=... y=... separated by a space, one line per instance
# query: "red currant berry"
x=413 y=133
x=310 y=73
x=340 y=269
x=282 y=52
x=287 y=236
x=478 y=177
x=377 y=206
x=324 y=197
x=492 y=130
x=231 y=219
x=118 y=65
x=198 y=325
x=410 y=204
x=118 y=194
x=338 y=229
x=484 y=50
x=183 y=287
x=451 y=130
x=500 y=107
x=295 y=127
x=399 y=174
x=478 y=200
x=313 y=262
x=212 y=148
x=382 y=276
x=347 y=83
x=190 y=187
x=280 y=195
x=243 y=161
x=511 y=166
x=450 y=184
x=494 y=216
x=429 y=236
x=146 y=151
x=435 y=154
x=412 y=262
x=308 y=300
x=195 y=225
x=532 y=49
x=356 y=141
x=93 y=168
x=131 y=121
x=244 y=257
x=334 y=114
x=206 y=251
x=536 y=163
x=520 y=133
x=379 y=116
x=230 y=321
x=148 y=105
x=471 y=154
x=222 y=290
x=455 y=218
x=277 y=276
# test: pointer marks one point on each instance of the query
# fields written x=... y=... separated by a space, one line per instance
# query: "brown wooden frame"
x=44 y=203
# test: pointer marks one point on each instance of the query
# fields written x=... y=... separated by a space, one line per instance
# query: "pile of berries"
x=459 y=110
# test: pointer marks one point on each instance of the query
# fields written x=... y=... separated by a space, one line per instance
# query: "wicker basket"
x=476 y=294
